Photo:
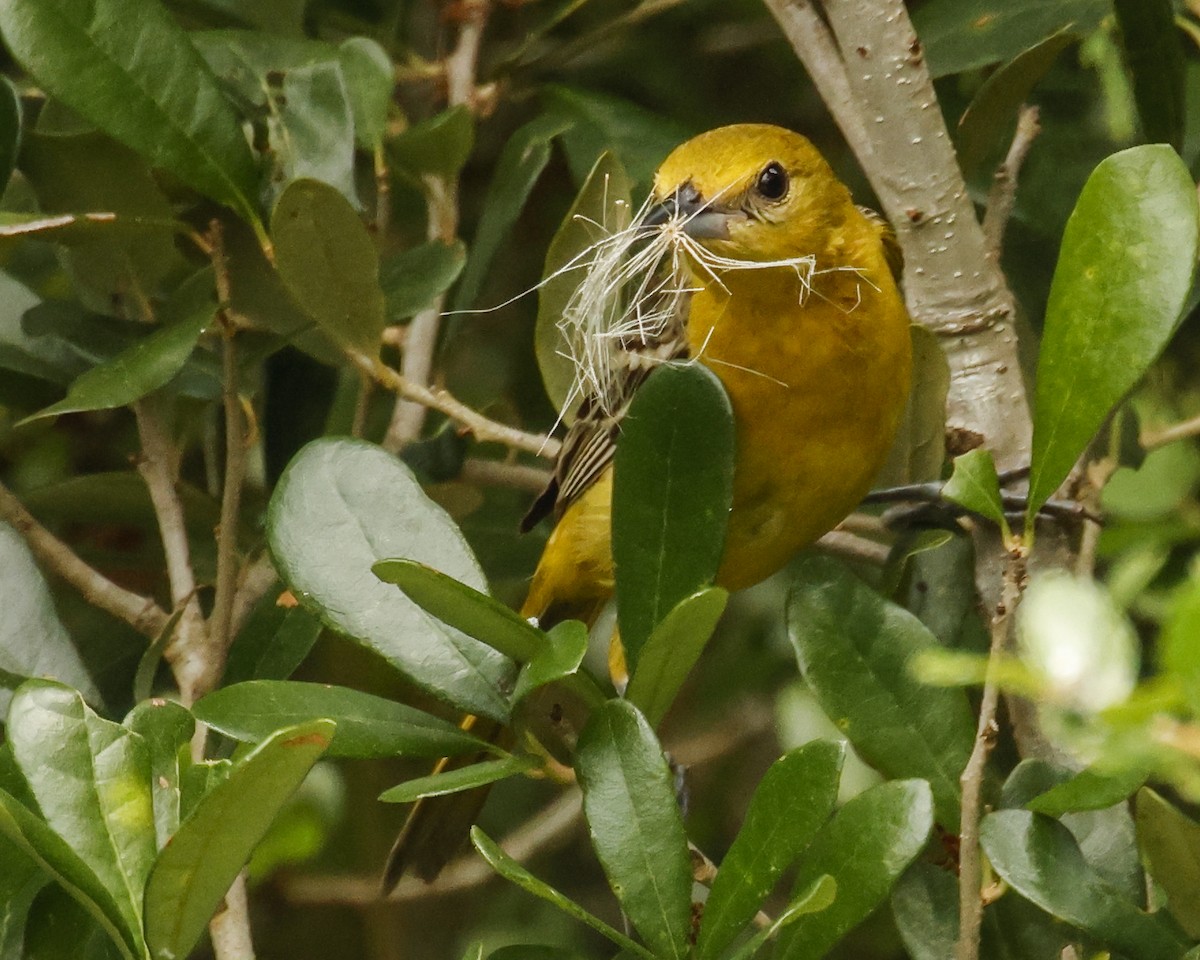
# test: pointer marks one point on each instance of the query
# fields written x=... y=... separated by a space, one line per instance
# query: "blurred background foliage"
x=561 y=82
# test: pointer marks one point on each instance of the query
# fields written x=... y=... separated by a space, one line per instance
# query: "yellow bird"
x=816 y=364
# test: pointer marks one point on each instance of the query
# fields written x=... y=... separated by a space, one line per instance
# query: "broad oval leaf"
x=412 y=278
x=854 y=648
x=672 y=490
x=1170 y=841
x=340 y=507
x=672 y=650
x=195 y=870
x=458 y=779
x=329 y=263
x=1123 y=273
x=790 y=803
x=367 y=726
x=129 y=68
x=95 y=794
x=867 y=845
x=439 y=145
x=1038 y=857
x=637 y=831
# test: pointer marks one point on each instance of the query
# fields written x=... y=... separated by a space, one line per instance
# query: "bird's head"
x=749 y=192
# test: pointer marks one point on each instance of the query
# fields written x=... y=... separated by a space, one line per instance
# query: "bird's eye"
x=772 y=182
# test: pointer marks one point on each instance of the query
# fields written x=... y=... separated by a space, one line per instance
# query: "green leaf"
x=1090 y=789
x=994 y=107
x=76 y=228
x=963 y=35
x=866 y=846
x=367 y=726
x=458 y=779
x=1123 y=273
x=672 y=491
x=96 y=793
x=367 y=70
x=20 y=880
x=512 y=871
x=635 y=823
x=919 y=448
x=464 y=608
x=561 y=656
x=789 y=805
x=1038 y=857
x=46 y=848
x=10 y=133
x=521 y=162
x=975 y=485
x=854 y=648
x=194 y=871
x=273 y=643
x=339 y=507
x=1179 y=642
x=412 y=278
x=166 y=728
x=328 y=261
x=60 y=927
x=438 y=146
x=672 y=650
x=33 y=641
x=603 y=207
x=136 y=371
x=1170 y=841
x=1154 y=53
x=129 y=68
x=925 y=906
x=819 y=896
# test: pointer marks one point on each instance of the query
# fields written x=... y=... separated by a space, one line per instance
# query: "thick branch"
x=141 y=613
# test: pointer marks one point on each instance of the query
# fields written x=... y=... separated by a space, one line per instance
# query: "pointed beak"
x=692 y=213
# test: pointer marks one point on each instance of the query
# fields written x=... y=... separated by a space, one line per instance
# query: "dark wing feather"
x=893 y=253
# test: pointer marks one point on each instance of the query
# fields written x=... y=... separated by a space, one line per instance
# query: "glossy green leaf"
x=194 y=871
x=20 y=880
x=994 y=107
x=635 y=823
x=789 y=805
x=273 y=643
x=1090 y=789
x=975 y=485
x=412 y=278
x=672 y=650
x=672 y=491
x=329 y=262
x=1123 y=273
x=166 y=728
x=96 y=794
x=46 y=848
x=368 y=73
x=819 y=896
x=854 y=648
x=522 y=161
x=129 y=68
x=561 y=657
x=439 y=145
x=197 y=780
x=367 y=726
x=1038 y=857
x=458 y=779
x=1154 y=53
x=340 y=507
x=925 y=906
x=138 y=370
x=865 y=848
x=965 y=34
x=1170 y=841
x=512 y=871
x=602 y=206
x=33 y=641
x=464 y=608
x=10 y=130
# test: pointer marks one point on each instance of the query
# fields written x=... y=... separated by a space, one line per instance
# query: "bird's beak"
x=692 y=213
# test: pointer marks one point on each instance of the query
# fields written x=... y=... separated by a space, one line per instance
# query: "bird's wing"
x=591 y=441
x=893 y=253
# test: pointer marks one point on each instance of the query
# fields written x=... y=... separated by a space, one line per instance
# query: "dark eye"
x=772 y=182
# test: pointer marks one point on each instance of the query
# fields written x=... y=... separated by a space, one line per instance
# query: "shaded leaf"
x=458 y=779
x=273 y=643
x=925 y=907
x=194 y=871
x=341 y=506
x=1123 y=273
x=635 y=823
x=975 y=485
x=561 y=656
x=412 y=278
x=439 y=145
x=854 y=648
x=367 y=726
x=20 y=880
x=10 y=136
x=1154 y=54
x=1170 y=841
x=367 y=70
x=672 y=490
x=790 y=803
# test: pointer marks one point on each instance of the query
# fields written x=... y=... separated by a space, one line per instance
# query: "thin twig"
x=850 y=546
x=141 y=613
x=970 y=905
x=483 y=428
x=502 y=474
x=1004 y=185
x=1153 y=439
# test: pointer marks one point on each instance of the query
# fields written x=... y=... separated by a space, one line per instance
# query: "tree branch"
x=502 y=474
x=141 y=613
x=1004 y=185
